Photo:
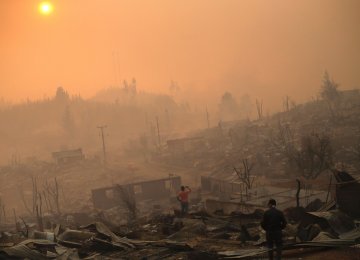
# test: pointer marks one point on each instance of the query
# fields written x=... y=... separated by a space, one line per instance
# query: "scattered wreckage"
x=213 y=229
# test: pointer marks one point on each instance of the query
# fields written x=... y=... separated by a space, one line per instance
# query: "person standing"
x=273 y=223
x=183 y=198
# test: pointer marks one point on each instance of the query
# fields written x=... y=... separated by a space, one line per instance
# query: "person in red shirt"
x=183 y=198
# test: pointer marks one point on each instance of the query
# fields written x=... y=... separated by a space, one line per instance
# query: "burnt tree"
x=311 y=156
x=259 y=108
x=315 y=155
x=330 y=94
x=244 y=174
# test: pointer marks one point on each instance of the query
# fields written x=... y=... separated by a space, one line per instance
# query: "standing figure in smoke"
x=273 y=223
x=183 y=198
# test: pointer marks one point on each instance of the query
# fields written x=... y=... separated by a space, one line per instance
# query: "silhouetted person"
x=273 y=223
x=183 y=197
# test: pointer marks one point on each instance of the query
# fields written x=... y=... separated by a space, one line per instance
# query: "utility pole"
x=158 y=130
x=103 y=141
x=167 y=119
x=207 y=118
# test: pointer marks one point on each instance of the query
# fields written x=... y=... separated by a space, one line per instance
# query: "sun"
x=45 y=8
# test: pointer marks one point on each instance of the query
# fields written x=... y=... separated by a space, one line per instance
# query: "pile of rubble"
x=213 y=229
x=200 y=235
x=92 y=241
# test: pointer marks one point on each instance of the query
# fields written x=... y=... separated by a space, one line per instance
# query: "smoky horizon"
x=265 y=49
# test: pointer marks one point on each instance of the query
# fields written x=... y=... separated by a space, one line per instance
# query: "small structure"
x=347 y=193
x=178 y=147
x=68 y=156
x=108 y=197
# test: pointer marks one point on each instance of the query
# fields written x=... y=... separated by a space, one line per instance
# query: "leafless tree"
x=68 y=122
x=244 y=174
x=35 y=195
x=315 y=155
x=284 y=140
x=259 y=108
x=49 y=195
x=330 y=94
x=127 y=199
x=52 y=195
x=39 y=214
x=22 y=195
x=288 y=104
x=311 y=156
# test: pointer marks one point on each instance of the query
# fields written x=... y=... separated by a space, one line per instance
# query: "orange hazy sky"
x=267 y=48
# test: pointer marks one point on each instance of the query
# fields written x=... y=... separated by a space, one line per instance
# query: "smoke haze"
x=267 y=49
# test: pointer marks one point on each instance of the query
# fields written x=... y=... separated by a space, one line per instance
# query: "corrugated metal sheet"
x=337 y=220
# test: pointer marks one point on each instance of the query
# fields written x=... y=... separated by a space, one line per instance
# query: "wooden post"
x=103 y=141
x=17 y=226
x=329 y=188
x=298 y=193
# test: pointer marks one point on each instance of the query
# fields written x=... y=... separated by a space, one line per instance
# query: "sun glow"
x=45 y=8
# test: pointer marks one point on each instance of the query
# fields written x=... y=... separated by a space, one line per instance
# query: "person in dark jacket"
x=273 y=223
